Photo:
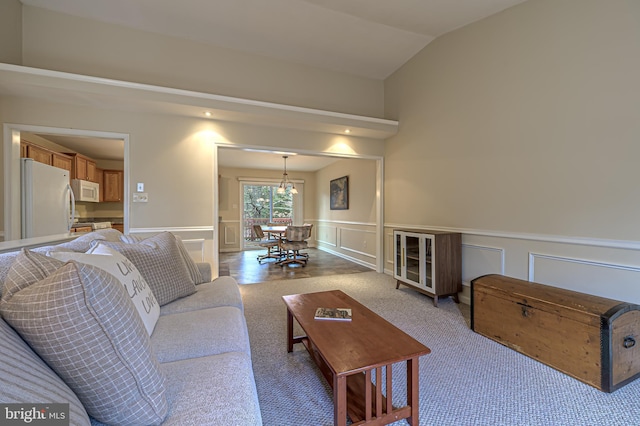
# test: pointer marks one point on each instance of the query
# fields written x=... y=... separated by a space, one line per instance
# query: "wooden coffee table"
x=347 y=352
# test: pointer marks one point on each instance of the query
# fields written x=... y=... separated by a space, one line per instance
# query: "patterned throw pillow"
x=194 y=272
x=83 y=324
x=159 y=261
x=131 y=239
x=120 y=267
x=26 y=378
x=27 y=268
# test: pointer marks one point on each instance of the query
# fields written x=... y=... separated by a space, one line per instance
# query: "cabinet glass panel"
x=428 y=279
x=399 y=261
x=413 y=258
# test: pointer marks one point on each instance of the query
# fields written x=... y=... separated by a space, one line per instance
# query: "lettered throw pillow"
x=81 y=322
x=120 y=267
x=159 y=261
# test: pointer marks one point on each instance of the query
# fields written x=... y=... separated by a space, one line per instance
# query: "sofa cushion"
x=126 y=273
x=212 y=390
x=81 y=321
x=159 y=261
x=27 y=379
x=223 y=291
x=200 y=333
x=205 y=271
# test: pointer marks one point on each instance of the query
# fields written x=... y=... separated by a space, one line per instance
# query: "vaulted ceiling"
x=370 y=38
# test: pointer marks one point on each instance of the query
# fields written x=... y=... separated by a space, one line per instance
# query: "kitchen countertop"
x=113 y=220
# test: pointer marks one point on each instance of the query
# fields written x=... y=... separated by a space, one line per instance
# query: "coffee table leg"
x=289 y=331
x=339 y=400
x=412 y=390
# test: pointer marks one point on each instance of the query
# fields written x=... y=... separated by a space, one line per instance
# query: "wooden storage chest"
x=590 y=338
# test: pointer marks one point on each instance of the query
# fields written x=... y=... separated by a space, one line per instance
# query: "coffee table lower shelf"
x=381 y=410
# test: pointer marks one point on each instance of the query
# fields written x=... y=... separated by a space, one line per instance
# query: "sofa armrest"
x=205 y=270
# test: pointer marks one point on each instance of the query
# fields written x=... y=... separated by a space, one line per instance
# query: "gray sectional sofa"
x=96 y=354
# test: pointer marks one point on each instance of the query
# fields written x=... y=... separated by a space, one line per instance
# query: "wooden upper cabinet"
x=62 y=161
x=46 y=156
x=113 y=186
x=91 y=171
x=40 y=155
x=100 y=176
x=83 y=168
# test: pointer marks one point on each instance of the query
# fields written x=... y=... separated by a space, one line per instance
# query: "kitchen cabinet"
x=113 y=185
x=46 y=156
x=40 y=155
x=82 y=229
x=62 y=161
x=100 y=179
x=83 y=168
x=429 y=262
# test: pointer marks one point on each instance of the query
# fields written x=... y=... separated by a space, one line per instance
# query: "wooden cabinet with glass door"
x=429 y=261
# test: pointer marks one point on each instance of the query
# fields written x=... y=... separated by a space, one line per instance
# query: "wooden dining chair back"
x=294 y=241
x=269 y=244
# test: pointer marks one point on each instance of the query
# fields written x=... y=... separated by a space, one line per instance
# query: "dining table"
x=278 y=230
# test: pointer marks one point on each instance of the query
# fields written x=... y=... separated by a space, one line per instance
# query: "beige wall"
x=11 y=32
x=173 y=156
x=525 y=125
x=351 y=232
x=65 y=43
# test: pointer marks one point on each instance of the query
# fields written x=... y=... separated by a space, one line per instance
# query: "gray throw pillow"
x=27 y=268
x=27 y=379
x=81 y=322
x=194 y=271
x=159 y=261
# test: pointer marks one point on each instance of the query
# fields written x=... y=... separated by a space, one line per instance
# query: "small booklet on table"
x=335 y=314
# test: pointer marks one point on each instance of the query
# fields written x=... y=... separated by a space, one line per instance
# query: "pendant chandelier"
x=285 y=181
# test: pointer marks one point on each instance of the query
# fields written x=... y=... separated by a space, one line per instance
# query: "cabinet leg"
x=397 y=285
x=435 y=301
x=455 y=298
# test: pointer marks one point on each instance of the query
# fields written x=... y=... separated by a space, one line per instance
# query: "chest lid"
x=566 y=303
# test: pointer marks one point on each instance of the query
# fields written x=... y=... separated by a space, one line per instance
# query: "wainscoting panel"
x=230 y=236
x=619 y=282
x=327 y=234
x=481 y=260
x=195 y=247
x=359 y=242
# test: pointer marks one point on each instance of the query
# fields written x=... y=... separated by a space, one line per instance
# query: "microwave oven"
x=83 y=190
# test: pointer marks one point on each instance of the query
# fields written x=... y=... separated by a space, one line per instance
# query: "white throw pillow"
x=120 y=267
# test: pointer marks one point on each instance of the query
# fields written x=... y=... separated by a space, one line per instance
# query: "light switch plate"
x=140 y=187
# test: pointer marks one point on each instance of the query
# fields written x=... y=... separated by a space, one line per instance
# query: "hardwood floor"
x=244 y=266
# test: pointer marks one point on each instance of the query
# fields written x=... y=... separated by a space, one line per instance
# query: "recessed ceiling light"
x=347 y=131
x=207 y=113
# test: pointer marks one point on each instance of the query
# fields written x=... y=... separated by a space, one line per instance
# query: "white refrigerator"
x=48 y=206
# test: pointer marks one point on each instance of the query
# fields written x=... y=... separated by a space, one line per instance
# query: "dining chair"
x=268 y=243
x=295 y=240
x=310 y=226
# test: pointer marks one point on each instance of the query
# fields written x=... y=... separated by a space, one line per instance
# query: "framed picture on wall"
x=339 y=193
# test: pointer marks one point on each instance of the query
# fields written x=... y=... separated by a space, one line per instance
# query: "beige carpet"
x=466 y=380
